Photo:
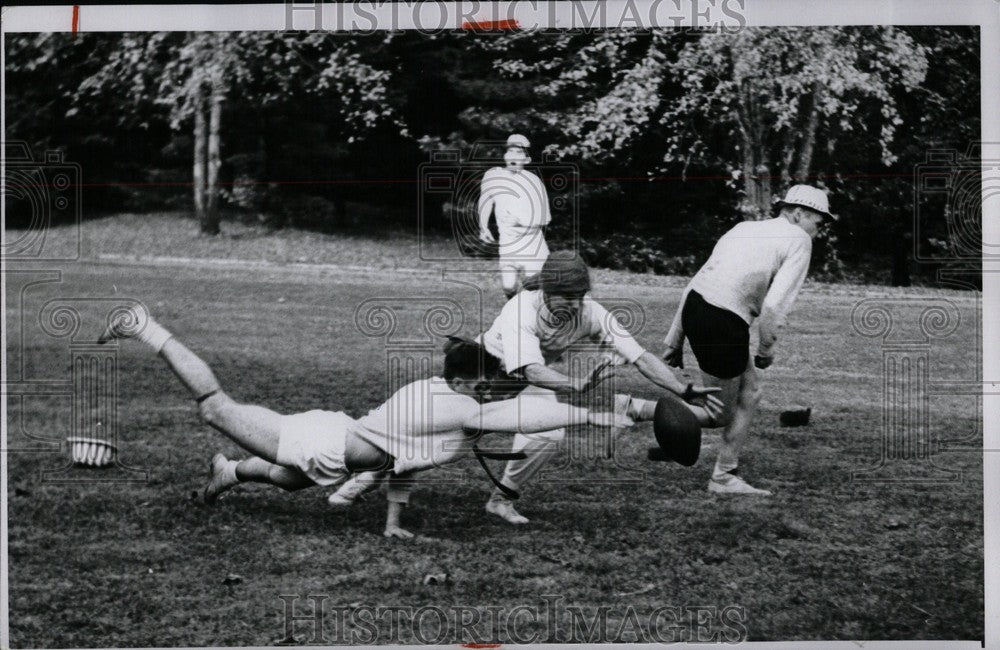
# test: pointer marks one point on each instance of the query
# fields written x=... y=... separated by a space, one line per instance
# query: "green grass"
x=105 y=564
x=175 y=234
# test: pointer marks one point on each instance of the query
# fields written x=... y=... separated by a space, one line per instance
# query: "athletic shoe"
x=349 y=491
x=504 y=509
x=219 y=479
x=124 y=324
x=733 y=484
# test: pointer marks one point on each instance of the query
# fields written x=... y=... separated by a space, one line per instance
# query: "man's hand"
x=609 y=419
x=487 y=236
x=674 y=356
x=704 y=397
x=693 y=392
x=396 y=532
x=762 y=360
x=601 y=373
x=713 y=406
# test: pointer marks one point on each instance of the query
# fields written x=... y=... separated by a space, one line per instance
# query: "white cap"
x=518 y=140
x=808 y=197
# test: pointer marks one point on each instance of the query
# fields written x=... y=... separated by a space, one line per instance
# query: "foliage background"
x=677 y=134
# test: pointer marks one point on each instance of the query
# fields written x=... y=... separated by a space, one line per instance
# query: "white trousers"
x=538 y=449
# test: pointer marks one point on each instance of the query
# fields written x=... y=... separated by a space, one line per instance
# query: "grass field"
x=140 y=564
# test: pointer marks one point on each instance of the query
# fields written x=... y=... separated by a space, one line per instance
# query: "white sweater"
x=757 y=267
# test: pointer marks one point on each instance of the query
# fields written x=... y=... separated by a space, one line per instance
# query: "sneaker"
x=219 y=479
x=732 y=484
x=349 y=491
x=504 y=509
x=124 y=324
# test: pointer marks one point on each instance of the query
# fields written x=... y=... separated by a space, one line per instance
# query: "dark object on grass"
x=677 y=432
x=502 y=455
x=797 y=417
x=435 y=579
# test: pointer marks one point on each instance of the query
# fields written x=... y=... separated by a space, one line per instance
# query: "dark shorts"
x=719 y=338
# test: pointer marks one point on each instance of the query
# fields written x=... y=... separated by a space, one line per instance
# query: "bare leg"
x=740 y=396
x=254 y=428
x=739 y=413
x=194 y=373
x=258 y=470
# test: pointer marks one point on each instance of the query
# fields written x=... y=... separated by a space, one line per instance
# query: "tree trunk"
x=198 y=171
x=750 y=190
x=756 y=160
x=788 y=155
x=763 y=210
x=210 y=221
x=809 y=139
x=749 y=150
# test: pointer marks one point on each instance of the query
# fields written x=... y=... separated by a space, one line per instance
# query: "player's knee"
x=214 y=409
x=750 y=397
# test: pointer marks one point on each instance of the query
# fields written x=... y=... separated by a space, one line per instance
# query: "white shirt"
x=420 y=426
x=525 y=333
x=756 y=266
x=521 y=207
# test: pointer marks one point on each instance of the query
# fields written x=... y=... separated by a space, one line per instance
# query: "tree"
x=776 y=92
x=754 y=103
x=193 y=76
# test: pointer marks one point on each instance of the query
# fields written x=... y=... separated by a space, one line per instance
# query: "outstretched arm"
x=534 y=414
x=657 y=372
x=565 y=388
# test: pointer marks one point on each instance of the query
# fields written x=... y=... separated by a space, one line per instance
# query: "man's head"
x=807 y=207
x=564 y=282
x=516 y=156
x=468 y=368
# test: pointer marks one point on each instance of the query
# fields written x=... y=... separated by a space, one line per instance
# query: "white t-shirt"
x=521 y=207
x=756 y=266
x=525 y=333
x=420 y=426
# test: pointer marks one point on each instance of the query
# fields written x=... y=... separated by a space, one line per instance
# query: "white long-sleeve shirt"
x=757 y=267
x=422 y=426
x=521 y=207
x=525 y=332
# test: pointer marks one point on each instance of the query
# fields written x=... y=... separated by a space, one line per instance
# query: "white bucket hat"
x=518 y=140
x=808 y=197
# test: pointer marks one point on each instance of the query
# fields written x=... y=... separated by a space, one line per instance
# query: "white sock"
x=154 y=335
x=641 y=409
x=623 y=403
x=723 y=467
x=229 y=472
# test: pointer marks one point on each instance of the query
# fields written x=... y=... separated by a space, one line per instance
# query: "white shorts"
x=526 y=265
x=314 y=442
